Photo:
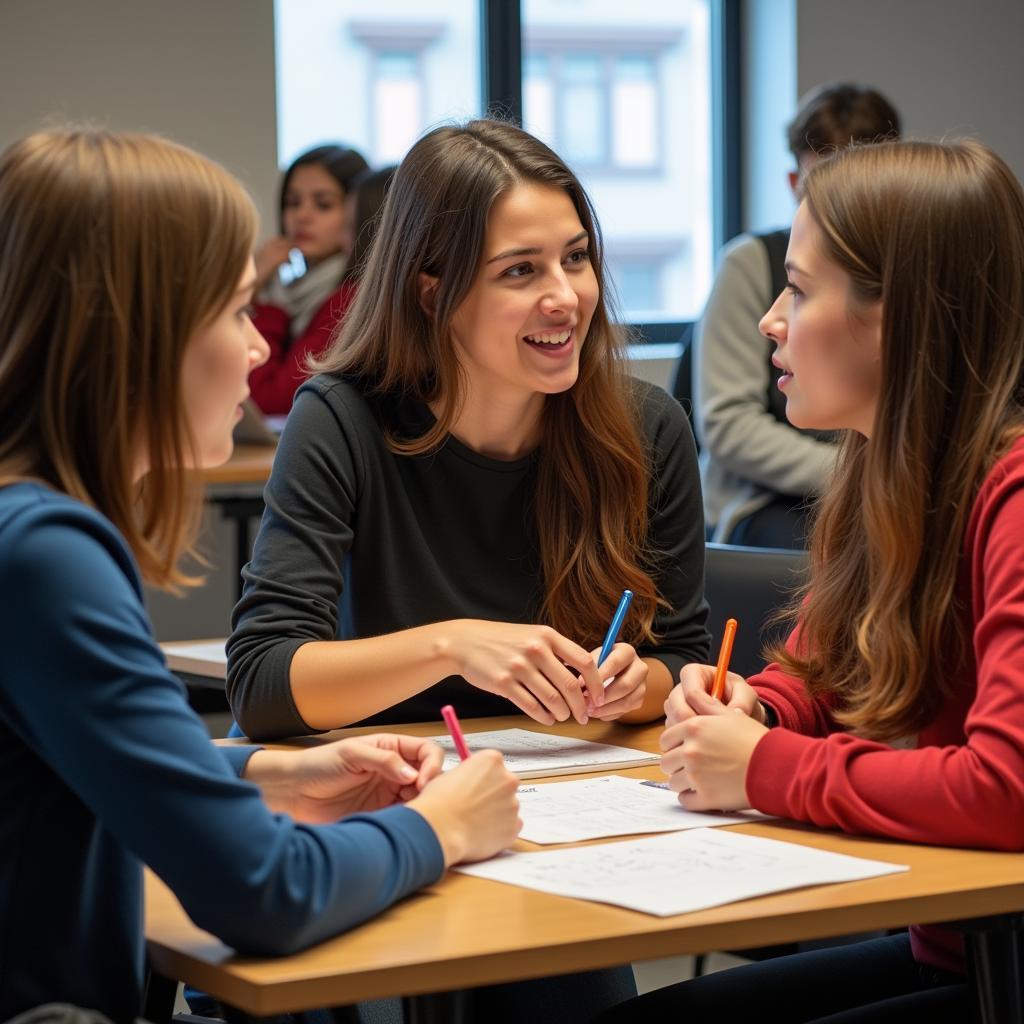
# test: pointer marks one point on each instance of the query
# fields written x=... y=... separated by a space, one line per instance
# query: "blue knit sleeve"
x=86 y=688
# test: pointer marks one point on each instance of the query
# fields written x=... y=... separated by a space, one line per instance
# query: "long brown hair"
x=936 y=233
x=591 y=505
x=114 y=249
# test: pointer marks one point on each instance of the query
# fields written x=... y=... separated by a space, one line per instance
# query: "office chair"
x=749 y=585
x=682 y=380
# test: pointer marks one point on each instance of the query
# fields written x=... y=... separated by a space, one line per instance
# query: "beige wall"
x=202 y=72
x=950 y=67
x=198 y=71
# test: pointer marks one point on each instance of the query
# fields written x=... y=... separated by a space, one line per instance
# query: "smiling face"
x=215 y=372
x=829 y=344
x=519 y=330
x=313 y=213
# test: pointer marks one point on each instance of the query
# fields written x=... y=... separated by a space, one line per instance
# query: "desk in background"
x=464 y=931
x=237 y=489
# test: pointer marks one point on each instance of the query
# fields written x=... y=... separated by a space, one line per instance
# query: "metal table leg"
x=994 y=952
x=436 y=1008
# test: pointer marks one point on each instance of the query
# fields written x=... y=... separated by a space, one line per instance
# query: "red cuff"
x=773 y=766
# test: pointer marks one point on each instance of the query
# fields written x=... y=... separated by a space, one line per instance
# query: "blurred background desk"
x=236 y=488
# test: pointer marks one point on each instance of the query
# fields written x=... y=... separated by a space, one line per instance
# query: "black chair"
x=749 y=585
x=682 y=379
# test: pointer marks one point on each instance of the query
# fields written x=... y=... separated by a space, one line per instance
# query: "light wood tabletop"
x=249 y=465
x=466 y=931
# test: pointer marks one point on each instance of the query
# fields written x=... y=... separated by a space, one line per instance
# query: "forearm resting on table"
x=273 y=771
x=659 y=685
x=337 y=682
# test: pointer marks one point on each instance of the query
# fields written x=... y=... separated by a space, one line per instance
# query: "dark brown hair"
x=114 y=250
x=344 y=165
x=591 y=505
x=836 y=114
x=371 y=188
x=935 y=232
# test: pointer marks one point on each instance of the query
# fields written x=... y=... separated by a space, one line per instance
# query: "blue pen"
x=613 y=630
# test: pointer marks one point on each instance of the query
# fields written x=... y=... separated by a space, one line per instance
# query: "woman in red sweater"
x=297 y=318
x=897 y=705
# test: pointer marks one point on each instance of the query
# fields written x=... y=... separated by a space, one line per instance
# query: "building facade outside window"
x=621 y=92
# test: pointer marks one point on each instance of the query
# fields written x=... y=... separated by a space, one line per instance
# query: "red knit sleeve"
x=273 y=385
x=787 y=696
x=964 y=784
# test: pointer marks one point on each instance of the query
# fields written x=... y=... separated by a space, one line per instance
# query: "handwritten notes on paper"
x=569 y=812
x=533 y=754
x=677 y=873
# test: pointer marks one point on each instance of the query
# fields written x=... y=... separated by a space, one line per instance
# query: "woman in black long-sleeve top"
x=465 y=490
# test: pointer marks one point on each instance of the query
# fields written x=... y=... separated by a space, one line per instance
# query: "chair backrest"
x=682 y=379
x=749 y=585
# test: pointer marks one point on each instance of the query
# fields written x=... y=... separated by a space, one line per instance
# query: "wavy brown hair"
x=591 y=505
x=936 y=233
x=114 y=250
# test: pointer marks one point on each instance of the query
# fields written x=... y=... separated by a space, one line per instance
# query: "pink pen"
x=452 y=721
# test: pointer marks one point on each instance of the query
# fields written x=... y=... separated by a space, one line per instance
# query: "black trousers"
x=872 y=982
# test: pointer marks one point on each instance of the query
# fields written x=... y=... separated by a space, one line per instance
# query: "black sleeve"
x=294 y=581
x=676 y=533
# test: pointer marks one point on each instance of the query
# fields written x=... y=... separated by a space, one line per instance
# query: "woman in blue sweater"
x=125 y=278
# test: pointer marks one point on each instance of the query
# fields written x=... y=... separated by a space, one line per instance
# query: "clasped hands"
x=546 y=675
x=707 y=743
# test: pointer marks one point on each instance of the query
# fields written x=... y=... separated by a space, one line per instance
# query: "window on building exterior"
x=621 y=91
x=373 y=76
x=623 y=94
x=397 y=104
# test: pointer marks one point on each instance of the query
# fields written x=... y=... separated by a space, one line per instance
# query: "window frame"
x=501 y=38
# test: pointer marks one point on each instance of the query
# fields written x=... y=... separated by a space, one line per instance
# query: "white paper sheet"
x=677 y=873
x=610 y=805
x=208 y=658
x=531 y=755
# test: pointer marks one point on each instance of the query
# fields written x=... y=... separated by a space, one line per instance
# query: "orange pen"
x=718 y=688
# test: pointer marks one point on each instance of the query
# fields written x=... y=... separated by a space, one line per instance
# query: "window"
x=396 y=100
x=640 y=286
x=623 y=94
x=597 y=110
x=373 y=76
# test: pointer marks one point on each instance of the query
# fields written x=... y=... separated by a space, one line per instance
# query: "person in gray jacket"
x=759 y=473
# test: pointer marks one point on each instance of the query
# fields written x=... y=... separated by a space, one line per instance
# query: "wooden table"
x=236 y=488
x=467 y=931
x=249 y=466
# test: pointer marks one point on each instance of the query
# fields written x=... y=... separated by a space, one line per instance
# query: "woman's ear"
x=428 y=294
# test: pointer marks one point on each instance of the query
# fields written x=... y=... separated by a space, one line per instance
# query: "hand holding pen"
x=705 y=689
x=473 y=808
x=713 y=723
x=623 y=674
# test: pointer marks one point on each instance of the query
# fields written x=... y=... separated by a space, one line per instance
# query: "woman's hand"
x=363 y=773
x=473 y=809
x=527 y=665
x=624 y=678
x=268 y=257
x=693 y=696
x=706 y=758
